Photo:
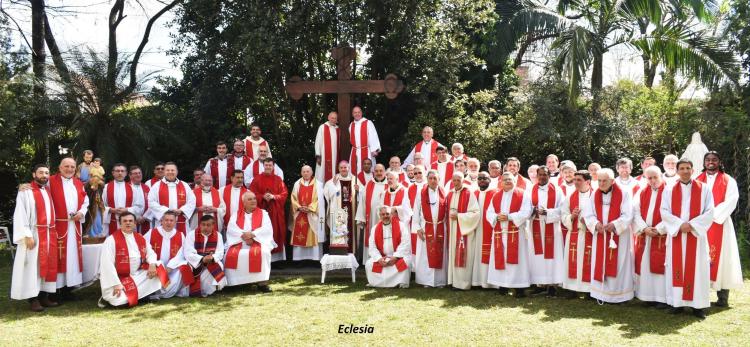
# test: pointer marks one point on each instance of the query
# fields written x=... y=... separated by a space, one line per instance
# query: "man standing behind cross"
x=364 y=140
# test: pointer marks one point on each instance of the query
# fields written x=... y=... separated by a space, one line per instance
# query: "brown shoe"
x=47 y=302
x=36 y=306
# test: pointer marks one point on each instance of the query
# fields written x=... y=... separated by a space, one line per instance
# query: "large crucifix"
x=391 y=86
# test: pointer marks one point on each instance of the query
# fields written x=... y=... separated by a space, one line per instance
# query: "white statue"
x=695 y=152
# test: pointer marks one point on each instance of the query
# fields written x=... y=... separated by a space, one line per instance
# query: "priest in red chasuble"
x=272 y=193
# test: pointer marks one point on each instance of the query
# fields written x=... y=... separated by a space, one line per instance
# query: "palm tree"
x=582 y=31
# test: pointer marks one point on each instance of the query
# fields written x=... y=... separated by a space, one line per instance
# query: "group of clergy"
x=665 y=238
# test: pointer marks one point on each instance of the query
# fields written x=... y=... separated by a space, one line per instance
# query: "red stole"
x=215 y=202
x=575 y=202
x=716 y=231
x=486 y=226
x=434 y=236
x=520 y=182
x=395 y=239
x=250 y=148
x=214 y=167
x=301 y=225
x=602 y=256
x=329 y=161
x=549 y=228
x=145 y=225
x=448 y=171
x=658 y=249
x=113 y=222
x=231 y=159
x=361 y=177
x=227 y=197
x=361 y=152
x=393 y=198
x=461 y=240
x=512 y=230
x=369 y=188
x=61 y=225
x=175 y=243
x=47 y=252
x=433 y=152
x=683 y=276
x=181 y=200
x=255 y=256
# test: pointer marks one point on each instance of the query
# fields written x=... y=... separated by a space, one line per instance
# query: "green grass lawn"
x=301 y=311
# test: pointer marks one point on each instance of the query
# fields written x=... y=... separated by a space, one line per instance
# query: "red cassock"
x=270 y=183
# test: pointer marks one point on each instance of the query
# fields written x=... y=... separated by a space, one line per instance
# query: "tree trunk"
x=596 y=82
x=38 y=60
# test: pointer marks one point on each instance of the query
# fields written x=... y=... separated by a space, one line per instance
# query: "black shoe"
x=661 y=306
x=552 y=291
x=519 y=293
x=699 y=313
x=264 y=288
x=537 y=290
x=502 y=291
x=675 y=310
x=36 y=306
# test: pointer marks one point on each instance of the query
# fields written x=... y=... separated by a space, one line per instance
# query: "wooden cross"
x=391 y=86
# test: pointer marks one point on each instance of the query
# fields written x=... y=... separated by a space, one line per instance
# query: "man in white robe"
x=166 y=242
x=508 y=213
x=578 y=241
x=231 y=195
x=513 y=165
x=171 y=194
x=158 y=174
x=726 y=271
x=327 y=148
x=35 y=265
x=254 y=142
x=593 y=171
x=342 y=198
x=546 y=242
x=427 y=148
x=129 y=270
x=414 y=190
x=203 y=251
x=457 y=152
x=394 y=166
x=71 y=203
x=365 y=175
x=119 y=197
x=256 y=167
x=364 y=140
x=552 y=162
x=627 y=182
x=612 y=265
x=444 y=165
x=396 y=196
x=135 y=174
x=687 y=212
x=218 y=166
x=389 y=253
x=566 y=181
x=208 y=201
x=428 y=222
x=463 y=216
x=249 y=244
x=483 y=239
x=367 y=206
x=650 y=240
x=670 y=169
x=307 y=209
x=495 y=169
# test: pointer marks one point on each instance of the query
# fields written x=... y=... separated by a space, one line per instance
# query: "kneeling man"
x=387 y=266
x=128 y=265
x=249 y=245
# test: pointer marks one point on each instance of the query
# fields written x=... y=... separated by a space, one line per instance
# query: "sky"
x=88 y=28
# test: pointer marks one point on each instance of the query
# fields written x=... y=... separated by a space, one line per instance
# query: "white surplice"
x=120 y=199
x=423 y=274
x=460 y=277
x=729 y=275
x=108 y=273
x=576 y=284
x=479 y=269
x=320 y=151
x=209 y=285
x=208 y=200
x=514 y=275
x=73 y=276
x=546 y=271
x=648 y=286
x=315 y=218
x=171 y=264
x=375 y=203
x=157 y=209
x=264 y=236
x=26 y=281
x=390 y=276
x=221 y=166
x=372 y=145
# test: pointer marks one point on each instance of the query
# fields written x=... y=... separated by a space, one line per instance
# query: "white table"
x=338 y=262
x=91 y=256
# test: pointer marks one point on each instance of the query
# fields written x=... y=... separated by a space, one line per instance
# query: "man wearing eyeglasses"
x=483 y=238
x=158 y=174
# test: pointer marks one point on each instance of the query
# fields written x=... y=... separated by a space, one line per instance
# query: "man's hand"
x=304 y=209
x=421 y=234
x=534 y=213
x=360 y=224
x=391 y=261
x=576 y=211
x=119 y=210
x=29 y=241
x=454 y=214
x=610 y=228
x=502 y=217
x=317 y=159
x=650 y=231
x=178 y=211
x=151 y=271
x=542 y=211
x=208 y=259
x=268 y=196
x=24 y=186
x=248 y=237
x=599 y=228
x=382 y=261
x=117 y=290
x=686 y=228
x=375 y=153
x=77 y=217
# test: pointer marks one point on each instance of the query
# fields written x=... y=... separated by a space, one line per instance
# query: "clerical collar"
x=585 y=191
x=711 y=174
x=378 y=181
x=251 y=211
x=668 y=175
x=220 y=157
x=608 y=190
x=66 y=178
x=542 y=186
x=483 y=189
x=686 y=183
x=391 y=189
x=233 y=187
x=116 y=181
x=206 y=189
x=172 y=181
x=239 y=155
x=624 y=180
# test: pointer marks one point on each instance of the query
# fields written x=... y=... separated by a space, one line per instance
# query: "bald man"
x=308 y=213
x=427 y=148
x=249 y=245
